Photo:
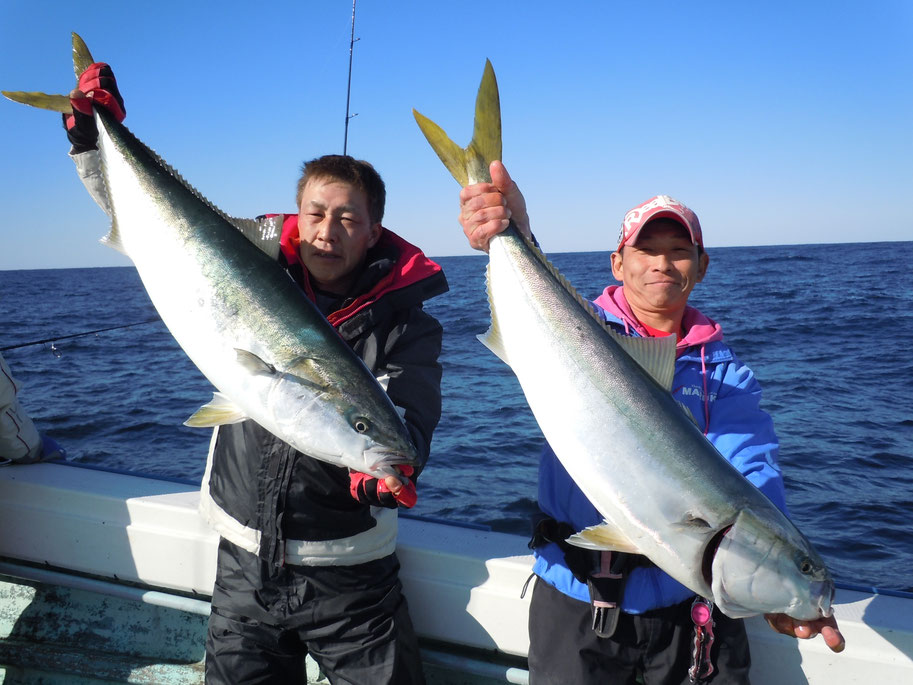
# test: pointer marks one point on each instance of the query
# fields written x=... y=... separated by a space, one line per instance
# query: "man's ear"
x=617 y=270
x=376 y=230
x=702 y=264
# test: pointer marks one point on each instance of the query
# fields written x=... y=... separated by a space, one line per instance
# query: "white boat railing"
x=463 y=584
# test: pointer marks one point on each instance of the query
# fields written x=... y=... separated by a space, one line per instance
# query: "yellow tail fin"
x=82 y=58
x=470 y=164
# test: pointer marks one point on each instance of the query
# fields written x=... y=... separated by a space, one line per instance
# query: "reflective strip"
x=375 y=543
x=220 y=520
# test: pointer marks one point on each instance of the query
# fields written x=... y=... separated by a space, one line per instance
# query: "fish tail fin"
x=54 y=103
x=82 y=58
x=470 y=164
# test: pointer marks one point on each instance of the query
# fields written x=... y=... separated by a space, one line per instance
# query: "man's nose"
x=662 y=262
x=326 y=231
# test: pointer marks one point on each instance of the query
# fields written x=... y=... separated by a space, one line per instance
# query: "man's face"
x=336 y=232
x=661 y=269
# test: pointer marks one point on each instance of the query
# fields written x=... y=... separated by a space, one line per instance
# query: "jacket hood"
x=699 y=329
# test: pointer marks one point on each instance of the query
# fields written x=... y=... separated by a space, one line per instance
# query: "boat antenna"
x=352 y=39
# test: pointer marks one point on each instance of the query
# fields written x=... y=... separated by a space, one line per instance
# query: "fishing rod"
x=352 y=40
x=76 y=335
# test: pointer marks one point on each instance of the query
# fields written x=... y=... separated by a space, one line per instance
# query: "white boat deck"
x=463 y=584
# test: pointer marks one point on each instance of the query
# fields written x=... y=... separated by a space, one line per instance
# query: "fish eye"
x=361 y=425
x=806 y=567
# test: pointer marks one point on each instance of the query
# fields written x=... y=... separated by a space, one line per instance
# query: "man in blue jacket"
x=584 y=628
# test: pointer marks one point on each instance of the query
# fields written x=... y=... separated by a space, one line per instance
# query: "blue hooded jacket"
x=724 y=397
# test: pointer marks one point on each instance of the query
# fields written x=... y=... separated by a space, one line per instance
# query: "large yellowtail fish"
x=604 y=403
x=236 y=313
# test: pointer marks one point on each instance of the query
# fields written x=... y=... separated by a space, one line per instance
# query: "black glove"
x=98 y=86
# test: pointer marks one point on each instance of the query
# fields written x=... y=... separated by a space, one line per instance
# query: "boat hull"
x=109 y=575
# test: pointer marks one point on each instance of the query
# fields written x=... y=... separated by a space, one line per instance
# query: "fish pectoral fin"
x=218 y=412
x=693 y=521
x=306 y=371
x=604 y=536
x=470 y=164
x=253 y=363
x=656 y=356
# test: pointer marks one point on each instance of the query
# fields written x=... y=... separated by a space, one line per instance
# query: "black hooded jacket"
x=263 y=495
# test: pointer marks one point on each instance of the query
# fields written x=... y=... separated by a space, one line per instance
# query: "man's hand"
x=96 y=84
x=486 y=208
x=390 y=492
x=805 y=630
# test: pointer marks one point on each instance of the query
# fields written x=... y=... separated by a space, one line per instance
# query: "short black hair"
x=356 y=172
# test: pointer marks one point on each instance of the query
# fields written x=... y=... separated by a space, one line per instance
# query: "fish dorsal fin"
x=104 y=118
x=603 y=537
x=655 y=355
x=264 y=234
x=218 y=412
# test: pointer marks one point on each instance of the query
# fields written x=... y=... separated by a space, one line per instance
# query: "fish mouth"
x=710 y=554
x=383 y=461
x=825 y=591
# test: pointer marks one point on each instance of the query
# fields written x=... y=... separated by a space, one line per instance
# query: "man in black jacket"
x=306 y=562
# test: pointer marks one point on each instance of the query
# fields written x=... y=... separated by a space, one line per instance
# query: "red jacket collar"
x=411 y=267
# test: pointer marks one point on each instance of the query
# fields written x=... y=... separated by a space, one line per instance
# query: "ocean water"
x=826 y=328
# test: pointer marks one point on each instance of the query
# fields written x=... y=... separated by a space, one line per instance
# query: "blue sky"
x=779 y=122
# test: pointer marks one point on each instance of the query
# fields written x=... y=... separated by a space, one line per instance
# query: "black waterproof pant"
x=657 y=644
x=353 y=620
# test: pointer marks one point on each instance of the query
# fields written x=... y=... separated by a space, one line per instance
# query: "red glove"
x=99 y=86
x=374 y=491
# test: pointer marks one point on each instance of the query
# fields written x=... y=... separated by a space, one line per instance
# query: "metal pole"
x=345 y=141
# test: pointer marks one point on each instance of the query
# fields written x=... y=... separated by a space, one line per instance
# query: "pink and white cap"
x=661 y=206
